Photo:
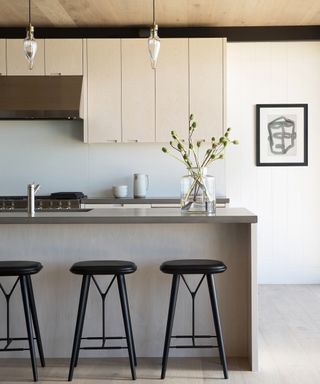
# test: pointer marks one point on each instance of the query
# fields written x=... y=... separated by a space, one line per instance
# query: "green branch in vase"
x=191 y=155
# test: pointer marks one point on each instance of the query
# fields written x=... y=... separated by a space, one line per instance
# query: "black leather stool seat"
x=192 y=266
x=18 y=267
x=103 y=267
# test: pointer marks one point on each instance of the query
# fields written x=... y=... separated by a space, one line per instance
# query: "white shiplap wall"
x=286 y=199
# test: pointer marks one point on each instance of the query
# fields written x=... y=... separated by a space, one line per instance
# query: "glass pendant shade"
x=30 y=46
x=154 y=46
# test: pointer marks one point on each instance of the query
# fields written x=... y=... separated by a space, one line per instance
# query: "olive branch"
x=189 y=155
x=189 y=152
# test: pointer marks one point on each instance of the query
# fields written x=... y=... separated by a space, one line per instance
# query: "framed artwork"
x=282 y=134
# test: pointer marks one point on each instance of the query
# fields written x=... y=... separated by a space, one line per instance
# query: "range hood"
x=40 y=97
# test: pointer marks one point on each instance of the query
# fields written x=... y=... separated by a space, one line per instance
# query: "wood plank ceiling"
x=169 y=13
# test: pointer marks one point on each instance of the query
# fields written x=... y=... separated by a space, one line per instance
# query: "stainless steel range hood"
x=40 y=97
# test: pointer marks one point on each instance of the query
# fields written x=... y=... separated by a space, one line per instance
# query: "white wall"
x=52 y=153
x=286 y=199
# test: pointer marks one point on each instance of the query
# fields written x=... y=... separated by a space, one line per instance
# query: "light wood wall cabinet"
x=63 y=57
x=172 y=89
x=3 y=59
x=17 y=64
x=207 y=76
x=130 y=102
x=138 y=92
x=104 y=90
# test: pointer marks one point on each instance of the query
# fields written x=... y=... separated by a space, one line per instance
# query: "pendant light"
x=29 y=44
x=154 y=41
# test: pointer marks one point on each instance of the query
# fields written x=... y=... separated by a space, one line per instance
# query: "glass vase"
x=198 y=192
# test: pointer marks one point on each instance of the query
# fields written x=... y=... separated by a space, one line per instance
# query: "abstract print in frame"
x=282 y=134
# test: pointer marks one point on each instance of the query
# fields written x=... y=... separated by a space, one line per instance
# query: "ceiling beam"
x=235 y=34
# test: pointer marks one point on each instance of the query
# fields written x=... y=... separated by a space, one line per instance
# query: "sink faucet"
x=32 y=190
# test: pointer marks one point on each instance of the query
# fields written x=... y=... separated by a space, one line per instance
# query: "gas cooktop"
x=57 y=200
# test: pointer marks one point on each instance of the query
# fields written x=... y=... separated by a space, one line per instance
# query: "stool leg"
x=35 y=320
x=216 y=318
x=172 y=307
x=78 y=349
x=79 y=325
x=26 y=306
x=126 y=315
x=130 y=325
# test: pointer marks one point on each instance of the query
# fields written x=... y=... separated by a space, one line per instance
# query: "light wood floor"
x=289 y=347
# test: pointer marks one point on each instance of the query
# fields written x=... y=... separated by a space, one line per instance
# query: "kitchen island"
x=148 y=237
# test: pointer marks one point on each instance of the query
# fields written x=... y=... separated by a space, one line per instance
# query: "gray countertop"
x=142 y=200
x=129 y=216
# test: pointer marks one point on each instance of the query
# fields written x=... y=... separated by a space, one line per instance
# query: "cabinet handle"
x=111 y=141
x=55 y=74
x=133 y=141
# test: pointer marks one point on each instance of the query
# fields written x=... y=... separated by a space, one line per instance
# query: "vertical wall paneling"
x=104 y=90
x=172 y=99
x=17 y=64
x=138 y=92
x=286 y=199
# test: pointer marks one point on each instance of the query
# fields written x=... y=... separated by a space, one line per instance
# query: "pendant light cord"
x=29 y=12
x=154 y=12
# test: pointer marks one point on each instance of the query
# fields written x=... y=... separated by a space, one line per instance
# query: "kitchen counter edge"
x=142 y=200
x=130 y=216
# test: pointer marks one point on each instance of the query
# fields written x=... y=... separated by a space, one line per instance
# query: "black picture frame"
x=281 y=135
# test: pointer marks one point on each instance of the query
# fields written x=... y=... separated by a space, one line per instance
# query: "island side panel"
x=57 y=290
x=253 y=294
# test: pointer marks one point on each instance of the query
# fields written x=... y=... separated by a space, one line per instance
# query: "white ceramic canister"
x=140 y=184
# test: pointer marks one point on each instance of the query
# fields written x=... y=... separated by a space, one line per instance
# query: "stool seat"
x=103 y=267
x=193 y=266
x=19 y=267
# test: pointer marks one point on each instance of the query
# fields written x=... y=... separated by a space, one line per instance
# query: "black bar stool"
x=118 y=269
x=179 y=268
x=23 y=270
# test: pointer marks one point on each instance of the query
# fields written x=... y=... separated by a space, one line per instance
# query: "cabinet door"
x=104 y=90
x=63 y=56
x=3 y=64
x=172 y=99
x=17 y=64
x=138 y=92
x=207 y=61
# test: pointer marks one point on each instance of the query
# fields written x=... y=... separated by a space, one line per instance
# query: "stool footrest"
x=103 y=339
x=193 y=337
x=12 y=339
x=98 y=348
x=193 y=346
x=14 y=349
